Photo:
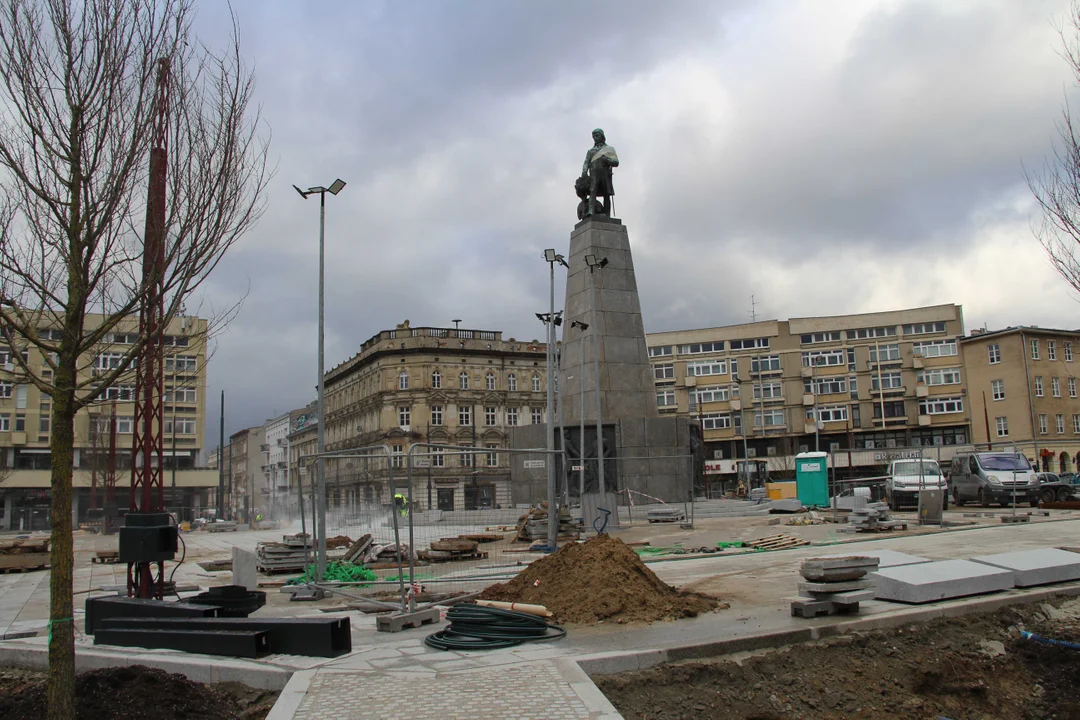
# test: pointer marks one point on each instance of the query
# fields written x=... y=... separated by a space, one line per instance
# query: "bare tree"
x=80 y=109
x=1056 y=186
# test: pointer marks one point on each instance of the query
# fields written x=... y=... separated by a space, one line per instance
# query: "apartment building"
x=25 y=426
x=245 y=468
x=1023 y=387
x=445 y=386
x=848 y=382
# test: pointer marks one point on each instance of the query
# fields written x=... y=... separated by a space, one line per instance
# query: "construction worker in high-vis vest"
x=402 y=504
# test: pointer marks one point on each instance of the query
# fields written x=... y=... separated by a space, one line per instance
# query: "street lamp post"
x=551 y=257
x=334 y=189
x=581 y=414
x=742 y=425
x=595 y=264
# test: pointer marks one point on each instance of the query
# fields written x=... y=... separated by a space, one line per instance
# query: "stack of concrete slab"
x=873 y=517
x=834 y=585
x=942 y=580
x=1030 y=568
x=886 y=558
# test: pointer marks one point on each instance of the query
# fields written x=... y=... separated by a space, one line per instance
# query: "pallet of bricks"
x=291 y=554
x=449 y=549
x=872 y=518
x=834 y=585
x=24 y=554
x=533 y=525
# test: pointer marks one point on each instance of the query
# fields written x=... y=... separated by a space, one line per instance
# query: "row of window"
x=994 y=350
x=1002 y=424
x=111 y=361
x=438 y=456
x=465 y=416
x=1055 y=387
x=463 y=381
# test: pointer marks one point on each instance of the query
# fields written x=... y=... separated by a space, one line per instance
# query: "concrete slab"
x=1036 y=567
x=887 y=558
x=933 y=581
x=786 y=506
x=243 y=568
x=852 y=597
x=833 y=587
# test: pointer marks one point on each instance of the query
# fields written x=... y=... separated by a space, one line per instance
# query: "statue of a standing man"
x=599 y=161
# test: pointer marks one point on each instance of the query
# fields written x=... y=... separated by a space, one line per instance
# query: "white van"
x=907 y=477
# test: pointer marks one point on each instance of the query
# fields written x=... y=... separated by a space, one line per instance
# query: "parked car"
x=989 y=477
x=907 y=477
x=1054 y=488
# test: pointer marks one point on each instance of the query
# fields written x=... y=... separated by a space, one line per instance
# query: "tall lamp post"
x=742 y=424
x=581 y=413
x=595 y=264
x=334 y=189
x=551 y=257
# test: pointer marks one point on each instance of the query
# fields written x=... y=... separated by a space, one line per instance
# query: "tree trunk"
x=61 y=685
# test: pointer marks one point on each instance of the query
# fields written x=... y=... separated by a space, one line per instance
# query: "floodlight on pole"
x=334 y=189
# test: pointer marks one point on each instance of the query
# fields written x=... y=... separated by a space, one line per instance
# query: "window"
x=20 y=396
x=701 y=348
x=664 y=372
x=768 y=363
x=464 y=416
x=20 y=423
x=1076 y=423
x=489 y=381
x=537 y=416
x=536 y=383
x=770 y=418
x=753 y=344
x=995 y=354
x=711 y=394
x=871 y=333
x=511 y=382
x=768 y=391
x=43 y=424
x=5 y=389
x=665 y=398
x=821 y=337
x=124 y=425
x=126 y=393
x=935 y=348
x=892 y=408
x=1055 y=386
x=1051 y=350
x=403 y=380
x=660 y=351
x=436 y=414
x=1003 y=426
x=1059 y=422
x=924 y=328
x=706 y=367
x=941 y=406
x=436 y=379
x=180 y=363
x=183 y=426
x=403 y=415
x=1034 y=349
x=5 y=422
x=1072 y=387
x=180 y=395
x=512 y=417
x=463 y=380
x=825 y=385
x=467 y=457
x=491 y=417
x=997 y=387
x=102 y=361
x=829 y=413
x=438 y=457
x=1038 y=386
x=397 y=453
x=1043 y=429
x=823 y=358
x=1068 y=351
x=888 y=353
x=492 y=458
x=887 y=381
x=939 y=376
x=715 y=421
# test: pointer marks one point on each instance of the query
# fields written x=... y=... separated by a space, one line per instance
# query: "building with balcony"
x=848 y=382
x=1023 y=387
x=444 y=386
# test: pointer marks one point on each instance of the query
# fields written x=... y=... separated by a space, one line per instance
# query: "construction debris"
x=834 y=585
x=810 y=518
x=776 y=542
x=872 y=518
x=449 y=549
x=533 y=525
x=23 y=554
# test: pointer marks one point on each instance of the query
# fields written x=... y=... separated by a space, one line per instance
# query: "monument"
x=604 y=371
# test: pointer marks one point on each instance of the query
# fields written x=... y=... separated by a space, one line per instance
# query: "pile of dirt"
x=599 y=580
x=976 y=666
x=134 y=693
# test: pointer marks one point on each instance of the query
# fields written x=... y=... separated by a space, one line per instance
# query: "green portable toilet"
x=812 y=478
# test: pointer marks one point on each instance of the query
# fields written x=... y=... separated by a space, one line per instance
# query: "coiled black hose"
x=477 y=627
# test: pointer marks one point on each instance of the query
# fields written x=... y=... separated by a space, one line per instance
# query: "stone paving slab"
x=1036 y=567
x=930 y=582
x=886 y=558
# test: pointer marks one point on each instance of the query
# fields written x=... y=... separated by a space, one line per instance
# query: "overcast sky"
x=825 y=157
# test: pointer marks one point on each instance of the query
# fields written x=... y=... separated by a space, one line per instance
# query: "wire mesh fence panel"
x=653 y=489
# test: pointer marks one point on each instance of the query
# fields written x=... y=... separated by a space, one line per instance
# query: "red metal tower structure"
x=146 y=512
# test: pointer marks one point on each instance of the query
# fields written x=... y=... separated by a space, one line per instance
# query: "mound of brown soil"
x=596 y=581
x=134 y=693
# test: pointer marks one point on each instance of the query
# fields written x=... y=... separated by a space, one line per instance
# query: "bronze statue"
x=599 y=161
x=581 y=187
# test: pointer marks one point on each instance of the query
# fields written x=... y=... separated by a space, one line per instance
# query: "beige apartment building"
x=25 y=426
x=1023 y=387
x=865 y=382
x=445 y=386
x=244 y=467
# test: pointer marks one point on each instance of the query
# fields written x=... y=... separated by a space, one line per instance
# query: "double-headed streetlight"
x=334 y=189
x=581 y=413
x=551 y=320
x=595 y=264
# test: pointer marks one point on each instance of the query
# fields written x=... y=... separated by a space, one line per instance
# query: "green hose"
x=477 y=627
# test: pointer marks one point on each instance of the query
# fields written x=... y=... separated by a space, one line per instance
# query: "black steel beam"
x=110 y=606
x=246 y=643
x=313 y=637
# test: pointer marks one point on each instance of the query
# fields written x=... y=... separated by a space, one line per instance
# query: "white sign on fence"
x=533 y=464
x=421 y=462
x=577 y=468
